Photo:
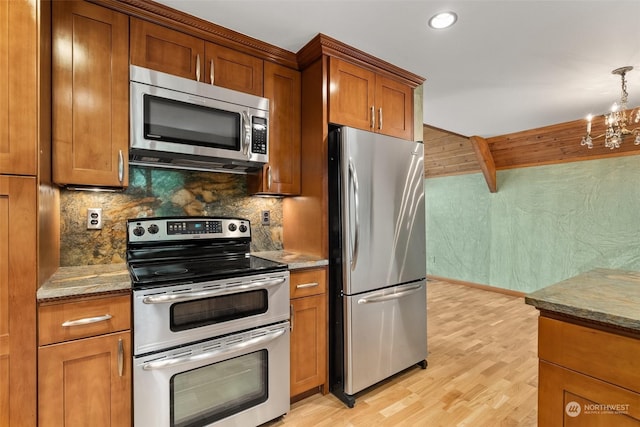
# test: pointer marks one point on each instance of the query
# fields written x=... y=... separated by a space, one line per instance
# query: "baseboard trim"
x=504 y=291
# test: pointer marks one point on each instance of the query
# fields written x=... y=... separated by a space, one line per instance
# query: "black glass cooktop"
x=199 y=270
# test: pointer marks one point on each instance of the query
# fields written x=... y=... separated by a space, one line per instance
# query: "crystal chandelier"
x=617 y=120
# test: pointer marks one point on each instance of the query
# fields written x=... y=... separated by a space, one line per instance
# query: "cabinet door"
x=90 y=95
x=166 y=50
x=567 y=398
x=308 y=343
x=85 y=382
x=351 y=95
x=234 y=70
x=394 y=108
x=18 y=209
x=282 y=175
x=18 y=87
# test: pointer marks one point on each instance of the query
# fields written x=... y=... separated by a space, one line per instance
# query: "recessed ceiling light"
x=443 y=20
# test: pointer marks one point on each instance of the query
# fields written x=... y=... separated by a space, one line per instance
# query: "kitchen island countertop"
x=603 y=296
x=85 y=280
x=294 y=260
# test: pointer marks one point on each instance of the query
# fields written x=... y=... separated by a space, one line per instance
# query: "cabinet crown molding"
x=189 y=24
x=325 y=45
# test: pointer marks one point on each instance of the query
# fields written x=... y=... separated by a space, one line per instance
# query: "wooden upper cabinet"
x=282 y=175
x=366 y=100
x=351 y=95
x=233 y=70
x=18 y=87
x=90 y=95
x=394 y=108
x=166 y=50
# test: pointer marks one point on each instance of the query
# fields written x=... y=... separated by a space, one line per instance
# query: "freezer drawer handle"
x=405 y=291
x=188 y=296
x=254 y=342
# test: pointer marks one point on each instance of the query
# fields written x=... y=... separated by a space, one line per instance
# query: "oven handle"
x=189 y=296
x=254 y=342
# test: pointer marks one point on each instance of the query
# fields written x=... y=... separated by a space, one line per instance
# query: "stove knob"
x=138 y=231
x=243 y=228
x=232 y=227
x=153 y=228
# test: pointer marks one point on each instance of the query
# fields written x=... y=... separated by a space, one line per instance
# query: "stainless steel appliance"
x=210 y=328
x=181 y=123
x=377 y=260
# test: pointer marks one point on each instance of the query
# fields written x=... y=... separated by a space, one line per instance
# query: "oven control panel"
x=186 y=228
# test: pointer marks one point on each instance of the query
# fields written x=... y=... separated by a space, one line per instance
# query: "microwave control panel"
x=259 y=135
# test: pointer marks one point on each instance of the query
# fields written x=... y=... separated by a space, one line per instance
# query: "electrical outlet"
x=266 y=218
x=94 y=218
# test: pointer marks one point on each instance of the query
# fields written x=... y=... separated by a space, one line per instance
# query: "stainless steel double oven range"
x=210 y=324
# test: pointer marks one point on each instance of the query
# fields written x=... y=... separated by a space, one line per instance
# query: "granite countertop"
x=604 y=296
x=85 y=280
x=293 y=260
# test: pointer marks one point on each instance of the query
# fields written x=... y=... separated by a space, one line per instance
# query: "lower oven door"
x=238 y=380
x=169 y=316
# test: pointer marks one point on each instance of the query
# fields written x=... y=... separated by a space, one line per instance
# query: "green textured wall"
x=544 y=224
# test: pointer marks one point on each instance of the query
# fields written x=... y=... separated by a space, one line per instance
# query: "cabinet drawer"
x=308 y=282
x=83 y=318
x=607 y=356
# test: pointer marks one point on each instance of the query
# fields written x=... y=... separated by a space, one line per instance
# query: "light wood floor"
x=482 y=370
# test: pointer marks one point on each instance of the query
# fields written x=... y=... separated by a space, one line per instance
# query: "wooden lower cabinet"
x=18 y=248
x=84 y=369
x=309 y=331
x=587 y=377
x=80 y=382
x=571 y=399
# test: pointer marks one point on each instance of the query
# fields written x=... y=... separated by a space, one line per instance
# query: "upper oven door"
x=173 y=315
x=170 y=121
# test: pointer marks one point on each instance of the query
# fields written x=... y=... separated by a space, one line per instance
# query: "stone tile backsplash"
x=159 y=192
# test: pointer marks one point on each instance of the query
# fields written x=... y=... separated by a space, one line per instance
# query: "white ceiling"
x=505 y=66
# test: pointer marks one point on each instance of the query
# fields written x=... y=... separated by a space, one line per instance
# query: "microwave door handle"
x=246 y=345
x=189 y=296
x=246 y=133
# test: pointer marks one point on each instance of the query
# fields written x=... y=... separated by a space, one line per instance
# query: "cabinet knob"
x=380 y=118
x=211 y=74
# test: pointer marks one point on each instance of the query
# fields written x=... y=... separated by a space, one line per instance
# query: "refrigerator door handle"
x=380 y=297
x=356 y=241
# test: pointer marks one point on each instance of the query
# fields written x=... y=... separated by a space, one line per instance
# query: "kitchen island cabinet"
x=588 y=347
x=282 y=175
x=90 y=95
x=84 y=362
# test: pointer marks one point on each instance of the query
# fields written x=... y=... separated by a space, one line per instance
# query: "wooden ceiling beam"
x=485 y=159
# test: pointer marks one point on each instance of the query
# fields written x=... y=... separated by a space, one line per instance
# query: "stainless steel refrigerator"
x=377 y=259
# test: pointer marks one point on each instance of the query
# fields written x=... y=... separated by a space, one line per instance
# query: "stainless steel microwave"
x=183 y=124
